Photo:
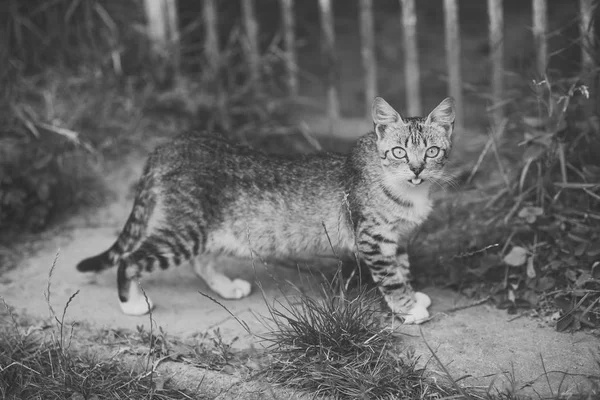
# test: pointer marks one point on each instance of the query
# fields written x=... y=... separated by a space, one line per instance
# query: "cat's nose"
x=416 y=169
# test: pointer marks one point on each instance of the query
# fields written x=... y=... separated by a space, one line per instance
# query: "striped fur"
x=201 y=198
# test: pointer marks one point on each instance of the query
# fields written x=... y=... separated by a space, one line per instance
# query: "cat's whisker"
x=436 y=181
x=449 y=180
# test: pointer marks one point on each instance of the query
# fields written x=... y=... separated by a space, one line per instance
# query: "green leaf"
x=545 y=283
x=505 y=305
x=564 y=304
x=580 y=249
x=564 y=322
x=531 y=297
x=516 y=257
x=571 y=275
x=522 y=303
x=596 y=270
x=530 y=268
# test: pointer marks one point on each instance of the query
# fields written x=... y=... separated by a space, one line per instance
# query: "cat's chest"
x=405 y=204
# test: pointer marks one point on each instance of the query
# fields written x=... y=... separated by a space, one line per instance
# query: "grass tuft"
x=339 y=344
x=32 y=365
x=38 y=362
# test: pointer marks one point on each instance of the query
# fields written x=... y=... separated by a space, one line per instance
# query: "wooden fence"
x=408 y=18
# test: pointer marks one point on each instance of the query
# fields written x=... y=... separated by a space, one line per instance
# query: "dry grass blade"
x=243 y=324
x=454 y=382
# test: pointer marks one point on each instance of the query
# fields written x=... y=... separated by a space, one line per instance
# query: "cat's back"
x=204 y=158
x=281 y=201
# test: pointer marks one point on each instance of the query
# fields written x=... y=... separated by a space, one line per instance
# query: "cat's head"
x=413 y=150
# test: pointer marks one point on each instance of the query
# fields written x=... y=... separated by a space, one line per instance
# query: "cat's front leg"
x=390 y=269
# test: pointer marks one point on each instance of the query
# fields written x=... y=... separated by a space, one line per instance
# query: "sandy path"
x=479 y=341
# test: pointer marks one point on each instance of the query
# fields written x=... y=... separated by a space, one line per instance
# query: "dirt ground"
x=480 y=342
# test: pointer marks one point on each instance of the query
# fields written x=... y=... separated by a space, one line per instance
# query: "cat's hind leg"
x=161 y=250
x=131 y=297
x=205 y=267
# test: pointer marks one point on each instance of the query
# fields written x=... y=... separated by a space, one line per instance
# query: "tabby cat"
x=201 y=199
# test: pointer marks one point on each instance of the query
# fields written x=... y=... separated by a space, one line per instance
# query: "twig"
x=568 y=185
x=472 y=253
x=501 y=128
x=474 y=304
x=480 y=159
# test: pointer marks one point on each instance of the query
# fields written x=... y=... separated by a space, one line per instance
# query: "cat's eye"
x=433 y=151
x=398 y=152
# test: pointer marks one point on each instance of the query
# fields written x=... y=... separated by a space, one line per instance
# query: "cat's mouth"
x=416 y=181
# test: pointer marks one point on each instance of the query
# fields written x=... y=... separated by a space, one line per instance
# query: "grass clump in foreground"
x=35 y=364
x=340 y=344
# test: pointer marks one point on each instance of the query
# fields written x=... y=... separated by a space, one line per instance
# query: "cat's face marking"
x=413 y=150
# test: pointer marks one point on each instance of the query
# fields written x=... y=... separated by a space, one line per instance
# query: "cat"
x=202 y=198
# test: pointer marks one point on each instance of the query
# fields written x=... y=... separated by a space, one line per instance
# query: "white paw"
x=232 y=289
x=416 y=315
x=242 y=288
x=422 y=299
x=137 y=304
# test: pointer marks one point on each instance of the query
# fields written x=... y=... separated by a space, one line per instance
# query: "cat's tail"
x=132 y=233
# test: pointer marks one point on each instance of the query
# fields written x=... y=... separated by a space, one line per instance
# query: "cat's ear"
x=443 y=115
x=383 y=114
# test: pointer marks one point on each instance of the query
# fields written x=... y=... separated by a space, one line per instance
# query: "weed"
x=540 y=207
x=340 y=345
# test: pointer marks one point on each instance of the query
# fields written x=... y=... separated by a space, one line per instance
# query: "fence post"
x=367 y=36
x=412 y=76
x=289 y=38
x=586 y=32
x=163 y=32
x=251 y=30
x=496 y=17
x=211 y=36
x=586 y=29
x=213 y=59
x=540 y=27
x=327 y=28
x=453 y=58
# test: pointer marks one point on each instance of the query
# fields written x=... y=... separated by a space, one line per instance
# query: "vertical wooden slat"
x=496 y=19
x=587 y=9
x=453 y=58
x=213 y=59
x=367 y=35
x=211 y=35
x=333 y=104
x=586 y=29
x=251 y=30
x=412 y=76
x=163 y=32
x=540 y=28
x=289 y=39
x=172 y=17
